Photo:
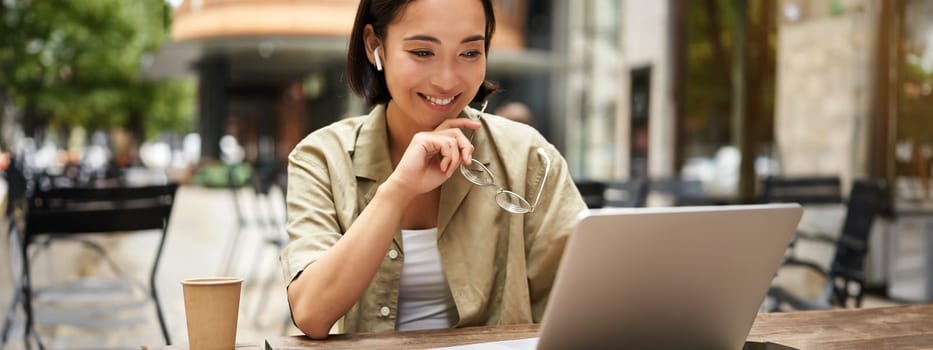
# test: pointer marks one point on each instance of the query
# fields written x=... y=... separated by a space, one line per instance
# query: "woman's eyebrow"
x=474 y=38
x=423 y=37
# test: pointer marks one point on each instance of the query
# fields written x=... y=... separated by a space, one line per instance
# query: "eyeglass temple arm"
x=547 y=170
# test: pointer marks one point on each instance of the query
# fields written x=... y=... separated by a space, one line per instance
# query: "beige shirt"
x=500 y=266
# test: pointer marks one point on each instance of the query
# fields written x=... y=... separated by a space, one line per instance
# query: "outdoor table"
x=901 y=327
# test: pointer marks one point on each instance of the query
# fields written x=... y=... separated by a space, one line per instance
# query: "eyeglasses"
x=479 y=175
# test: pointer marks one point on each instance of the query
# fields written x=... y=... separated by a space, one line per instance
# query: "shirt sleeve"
x=549 y=225
x=313 y=226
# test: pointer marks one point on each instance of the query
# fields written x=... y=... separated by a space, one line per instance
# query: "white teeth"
x=439 y=101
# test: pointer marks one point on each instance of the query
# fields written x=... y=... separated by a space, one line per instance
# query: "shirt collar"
x=371 y=150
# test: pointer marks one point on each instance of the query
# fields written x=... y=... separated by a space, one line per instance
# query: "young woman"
x=426 y=213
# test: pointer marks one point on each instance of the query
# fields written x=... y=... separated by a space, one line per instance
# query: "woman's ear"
x=372 y=43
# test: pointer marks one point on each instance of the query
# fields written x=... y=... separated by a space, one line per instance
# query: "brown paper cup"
x=211 y=309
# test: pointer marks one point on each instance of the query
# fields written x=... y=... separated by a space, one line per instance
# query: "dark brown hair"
x=364 y=79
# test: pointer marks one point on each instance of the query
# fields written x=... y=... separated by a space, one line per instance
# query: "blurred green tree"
x=67 y=63
x=710 y=52
x=915 y=103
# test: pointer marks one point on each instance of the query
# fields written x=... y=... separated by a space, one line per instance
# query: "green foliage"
x=78 y=63
x=708 y=92
x=708 y=86
x=915 y=106
x=220 y=175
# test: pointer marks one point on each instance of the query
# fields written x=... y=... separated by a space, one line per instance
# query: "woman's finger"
x=459 y=123
x=427 y=142
x=446 y=151
x=464 y=146
x=454 y=149
x=450 y=145
x=445 y=162
x=440 y=147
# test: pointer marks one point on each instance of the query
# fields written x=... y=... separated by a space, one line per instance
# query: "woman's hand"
x=432 y=157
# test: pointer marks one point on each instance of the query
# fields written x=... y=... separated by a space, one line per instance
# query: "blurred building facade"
x=826 y=65
x=803 y=87
x=271 y=71
x=853 y=87
x=617 y=87
x=811 y=87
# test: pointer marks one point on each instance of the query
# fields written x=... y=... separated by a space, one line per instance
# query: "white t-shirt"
x=424 y=299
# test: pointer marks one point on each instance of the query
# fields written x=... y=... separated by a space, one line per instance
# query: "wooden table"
x=410 y=339
x=899 y=327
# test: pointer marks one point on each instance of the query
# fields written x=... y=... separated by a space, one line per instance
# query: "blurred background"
x=690 y=101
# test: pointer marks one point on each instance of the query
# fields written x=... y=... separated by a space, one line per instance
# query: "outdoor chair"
x=17 y=188
x=262 y=216
x=805 y=190
x=808 y=191
x=71 y=214
x=684 y=192
x=274 y=239
x=257 y=212
x=593 y=193
x=627 y=194
x=847 y=268
x=234 y=184
x=271 y=225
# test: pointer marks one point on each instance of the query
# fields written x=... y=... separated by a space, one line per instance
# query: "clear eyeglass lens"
x=512 y=202
x=476 y=173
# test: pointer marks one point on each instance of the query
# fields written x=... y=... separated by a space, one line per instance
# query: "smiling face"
x=434 y=61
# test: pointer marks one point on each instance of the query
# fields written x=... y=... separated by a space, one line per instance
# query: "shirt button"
x=393 y=254
x=384 y=311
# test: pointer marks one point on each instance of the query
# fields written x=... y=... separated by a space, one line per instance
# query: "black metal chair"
x=262 y=216
x=805 y=190
x=593 y=193
x=271 y=225
x=18 y=187
x=847 y=269
x=71 y=213
x=234 y=184
x=620 y=194
x=627 y=194
x=684 y=192
x=808 y=191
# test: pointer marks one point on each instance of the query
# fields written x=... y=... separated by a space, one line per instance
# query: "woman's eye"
x=472 y=53
x=421 y=53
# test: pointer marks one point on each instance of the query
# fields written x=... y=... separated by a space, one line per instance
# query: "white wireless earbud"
x=378 y=61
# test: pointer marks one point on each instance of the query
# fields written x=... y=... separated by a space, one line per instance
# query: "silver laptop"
x=663 y=278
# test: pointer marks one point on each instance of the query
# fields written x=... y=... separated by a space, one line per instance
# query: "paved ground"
x=203 y=225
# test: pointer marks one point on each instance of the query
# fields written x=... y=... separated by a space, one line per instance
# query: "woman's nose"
x=445 y=78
